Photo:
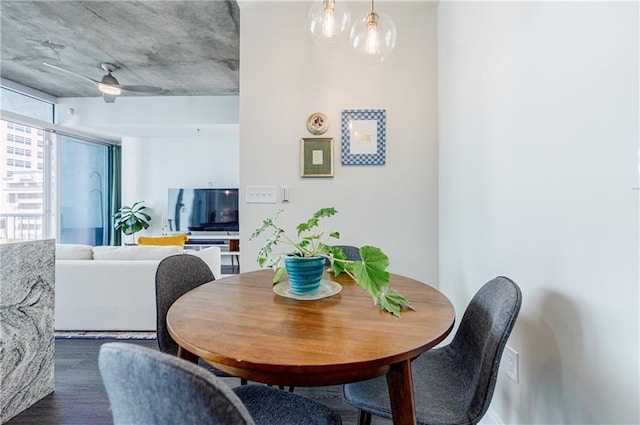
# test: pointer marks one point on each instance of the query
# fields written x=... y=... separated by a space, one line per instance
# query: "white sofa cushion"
x=135 y=252
x=211 y=256
x=105 y=295
x=74 y=252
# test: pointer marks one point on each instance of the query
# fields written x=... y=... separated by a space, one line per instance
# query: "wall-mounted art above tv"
x=203 y=210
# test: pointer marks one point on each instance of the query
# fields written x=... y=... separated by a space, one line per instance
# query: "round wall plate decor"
x=317 y=123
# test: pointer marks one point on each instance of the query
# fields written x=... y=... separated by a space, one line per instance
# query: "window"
x=79 y=182
x=84 y=192
x=19 y=151
x=19 y=139
x=71 y=173
x=18 y=127
x=19 y=163
x=28 y=207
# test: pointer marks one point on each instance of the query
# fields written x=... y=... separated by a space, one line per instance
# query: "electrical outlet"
x=511 y=360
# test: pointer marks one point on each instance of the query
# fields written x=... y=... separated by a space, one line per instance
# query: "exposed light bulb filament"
x=372 y=43
x=328 y=19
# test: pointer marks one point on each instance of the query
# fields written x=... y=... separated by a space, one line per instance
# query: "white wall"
x=538 y=154
x=285 y=77
x=167 y=142
x=151 y=166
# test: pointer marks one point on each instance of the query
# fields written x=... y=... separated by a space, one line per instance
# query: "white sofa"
x=112 y=288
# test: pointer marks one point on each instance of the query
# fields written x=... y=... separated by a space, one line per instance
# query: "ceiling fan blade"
x=140 y=89
x=109 y=85
x=71 y=73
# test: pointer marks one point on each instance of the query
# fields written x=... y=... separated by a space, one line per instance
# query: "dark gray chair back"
x=176 y=275
x=480 y=340
x=454 y=384
x=148 y=387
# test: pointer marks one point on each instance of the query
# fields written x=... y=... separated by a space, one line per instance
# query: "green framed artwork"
x=316 y=157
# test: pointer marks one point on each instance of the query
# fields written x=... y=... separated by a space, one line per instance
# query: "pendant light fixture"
x=329 y=21
x=373 y=36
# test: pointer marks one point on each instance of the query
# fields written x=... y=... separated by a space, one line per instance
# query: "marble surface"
x=27 y=275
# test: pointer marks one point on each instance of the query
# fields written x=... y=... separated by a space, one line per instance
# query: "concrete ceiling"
x=188 y=48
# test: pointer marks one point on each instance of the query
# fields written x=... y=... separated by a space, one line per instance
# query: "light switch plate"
x=285 y=193
x=261 y=195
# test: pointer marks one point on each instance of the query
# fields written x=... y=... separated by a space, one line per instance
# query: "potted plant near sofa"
x=311 y=247
x=131 y=219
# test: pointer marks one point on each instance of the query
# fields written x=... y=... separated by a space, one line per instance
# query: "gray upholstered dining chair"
x=145 y=386
x=176 y=275
x=453 y=384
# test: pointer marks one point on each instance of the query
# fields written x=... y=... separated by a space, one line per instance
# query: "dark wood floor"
x=79 y=396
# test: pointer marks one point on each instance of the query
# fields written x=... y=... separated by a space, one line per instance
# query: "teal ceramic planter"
x=304 y=274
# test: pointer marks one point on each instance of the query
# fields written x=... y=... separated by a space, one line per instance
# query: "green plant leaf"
x=370 y=272
x=305 y=227
x=266 y=224
x=278 y=275
x=337 y=258
x=392 y=301
x=325 y=212
x=265 y=253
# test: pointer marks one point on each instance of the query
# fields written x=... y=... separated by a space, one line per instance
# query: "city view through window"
x=53 y=184
x=22 y=167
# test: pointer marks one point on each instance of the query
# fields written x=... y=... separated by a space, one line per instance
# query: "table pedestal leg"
x=400 y=386
x=187 y=355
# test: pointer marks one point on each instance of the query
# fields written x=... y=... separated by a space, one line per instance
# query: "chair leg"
x=282 y=388
x=364 y=418
x=243 y=381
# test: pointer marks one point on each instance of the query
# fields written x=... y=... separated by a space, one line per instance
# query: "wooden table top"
x=239 y=325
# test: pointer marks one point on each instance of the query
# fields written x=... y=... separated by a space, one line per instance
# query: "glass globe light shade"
x=329 y=22
x=373 y=36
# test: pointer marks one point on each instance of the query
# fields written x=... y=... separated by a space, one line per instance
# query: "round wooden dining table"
x=239 y=325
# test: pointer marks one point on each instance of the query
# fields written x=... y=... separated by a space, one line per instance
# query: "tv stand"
x=229 y=243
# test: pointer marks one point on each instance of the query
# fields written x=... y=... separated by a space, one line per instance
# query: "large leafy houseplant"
x=131 y=219
x=370 y=272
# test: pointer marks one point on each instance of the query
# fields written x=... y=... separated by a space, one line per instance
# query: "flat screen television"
x=203 y=210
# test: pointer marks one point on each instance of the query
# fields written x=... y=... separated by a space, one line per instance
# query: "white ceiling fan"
x=108 y=85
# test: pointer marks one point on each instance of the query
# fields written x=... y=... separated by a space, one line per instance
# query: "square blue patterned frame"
x=364 y=134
